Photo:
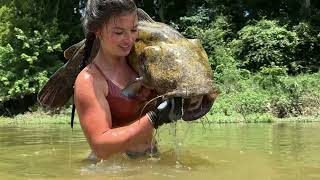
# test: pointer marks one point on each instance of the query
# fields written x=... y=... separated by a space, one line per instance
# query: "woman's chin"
x=124 y=51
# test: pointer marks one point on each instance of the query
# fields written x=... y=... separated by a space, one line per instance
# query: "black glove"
x=167 y=111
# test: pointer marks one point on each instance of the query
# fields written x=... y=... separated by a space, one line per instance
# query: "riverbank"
x=38 y=118
x=43 y=118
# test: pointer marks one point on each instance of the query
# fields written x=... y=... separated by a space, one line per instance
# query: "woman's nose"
x=130 y=37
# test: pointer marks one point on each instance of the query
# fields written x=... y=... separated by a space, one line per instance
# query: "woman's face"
x=119 y=34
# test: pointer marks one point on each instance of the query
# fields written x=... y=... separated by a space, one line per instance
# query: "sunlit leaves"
x=28 y=55
x=263 y=44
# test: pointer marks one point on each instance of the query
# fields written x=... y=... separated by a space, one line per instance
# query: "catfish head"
x=173 y=66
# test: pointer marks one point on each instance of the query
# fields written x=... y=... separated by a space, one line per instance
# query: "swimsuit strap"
x=105 y=77
x=113 y=88
x=122 y=108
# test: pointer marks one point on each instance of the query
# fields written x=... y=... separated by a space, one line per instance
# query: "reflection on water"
x=279 y=151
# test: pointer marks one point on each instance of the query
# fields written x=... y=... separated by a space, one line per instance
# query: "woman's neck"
x=109 y=62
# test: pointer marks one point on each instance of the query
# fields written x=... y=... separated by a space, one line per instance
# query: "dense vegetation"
x=264 y=53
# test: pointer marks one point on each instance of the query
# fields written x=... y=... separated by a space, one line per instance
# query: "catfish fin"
x=143 y=16
x=58 y=90
x=69 y=53
x=133 y=88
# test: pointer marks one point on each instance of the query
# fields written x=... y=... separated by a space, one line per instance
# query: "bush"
x=307 y=51
x=226 y=74
x=264 y=44
x=224 y=104
x=251 y=101
x=294 y=96
x=5 y=24
x=270 y=77
x=280 y=106
x=27 y=62
x=259 y=118
x=30 y=49
x=272 y=92
x=215 y=33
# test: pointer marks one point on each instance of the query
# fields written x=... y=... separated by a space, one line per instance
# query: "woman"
x=112 y=123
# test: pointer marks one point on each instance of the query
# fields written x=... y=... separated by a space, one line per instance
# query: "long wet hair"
x=96 y=14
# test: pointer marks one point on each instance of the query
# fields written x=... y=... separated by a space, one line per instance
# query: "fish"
x=165 y=61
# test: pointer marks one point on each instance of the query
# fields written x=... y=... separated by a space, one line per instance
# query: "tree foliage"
x=241 y=37
x=264 y=44
x=33 y=35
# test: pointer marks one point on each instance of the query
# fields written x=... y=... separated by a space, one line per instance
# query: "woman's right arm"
x=96 y=122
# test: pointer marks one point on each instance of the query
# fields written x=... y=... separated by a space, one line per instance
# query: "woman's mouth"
x=125 y=47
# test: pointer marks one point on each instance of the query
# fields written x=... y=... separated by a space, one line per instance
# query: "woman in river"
x=111 y=122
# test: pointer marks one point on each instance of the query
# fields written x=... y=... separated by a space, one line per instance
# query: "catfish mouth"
x=197 y=106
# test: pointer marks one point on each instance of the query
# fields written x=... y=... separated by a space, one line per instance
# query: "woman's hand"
x=167 y=111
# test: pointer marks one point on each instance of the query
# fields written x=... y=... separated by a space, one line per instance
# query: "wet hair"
x=97 y=13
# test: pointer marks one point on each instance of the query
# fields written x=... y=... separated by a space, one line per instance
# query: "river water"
x=279 y=151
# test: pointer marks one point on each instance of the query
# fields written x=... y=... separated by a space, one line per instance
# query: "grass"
x=42 y=118
x=38 y=118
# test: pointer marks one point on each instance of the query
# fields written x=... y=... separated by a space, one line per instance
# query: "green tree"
x=307 y=51
x=32 y=37
x=265 y=44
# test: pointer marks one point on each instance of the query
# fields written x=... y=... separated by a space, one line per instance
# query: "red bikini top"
x=123 y=109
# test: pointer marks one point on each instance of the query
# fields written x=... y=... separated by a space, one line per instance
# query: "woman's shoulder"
x=90 y=81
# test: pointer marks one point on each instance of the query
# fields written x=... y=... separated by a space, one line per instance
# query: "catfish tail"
x=57 y=91
x=59 y=88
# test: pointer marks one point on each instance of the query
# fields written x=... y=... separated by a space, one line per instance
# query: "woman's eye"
x=134 y=30
x=118 y=33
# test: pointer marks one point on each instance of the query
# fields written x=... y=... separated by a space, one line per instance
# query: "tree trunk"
x=305 y=9
x=161 y=11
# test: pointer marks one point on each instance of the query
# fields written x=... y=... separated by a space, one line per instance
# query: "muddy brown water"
x=279 y=151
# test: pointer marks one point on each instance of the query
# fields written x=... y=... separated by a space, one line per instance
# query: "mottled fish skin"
x=174 y=67
x=170 y=63
x=165 y=61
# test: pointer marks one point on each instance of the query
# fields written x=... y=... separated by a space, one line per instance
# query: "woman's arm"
x=96 y=122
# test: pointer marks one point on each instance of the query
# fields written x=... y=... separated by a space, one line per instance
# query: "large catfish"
x=166 y=62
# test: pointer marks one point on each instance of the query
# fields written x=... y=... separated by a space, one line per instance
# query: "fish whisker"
x=150 y=101
x=155 y=98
